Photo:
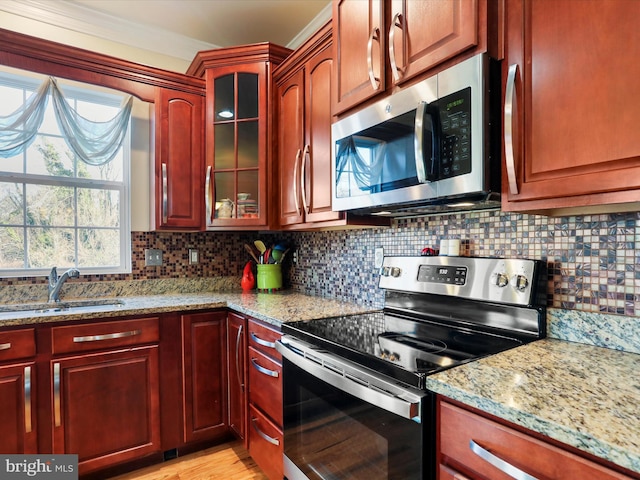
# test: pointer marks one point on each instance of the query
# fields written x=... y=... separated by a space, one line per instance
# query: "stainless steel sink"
x=70 y=306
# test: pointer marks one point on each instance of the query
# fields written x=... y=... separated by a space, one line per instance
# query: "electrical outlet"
x=152 y=257
x=378 y=257
x=294 y=258
x=193 y=256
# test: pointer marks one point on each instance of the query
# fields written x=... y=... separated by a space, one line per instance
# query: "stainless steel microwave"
x=426 y=148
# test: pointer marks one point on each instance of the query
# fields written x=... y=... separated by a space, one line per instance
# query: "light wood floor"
x=229 y=461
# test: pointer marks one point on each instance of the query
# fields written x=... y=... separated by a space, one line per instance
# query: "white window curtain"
x=95 y=143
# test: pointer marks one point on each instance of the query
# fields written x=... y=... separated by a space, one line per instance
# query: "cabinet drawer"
x=459 y=428
x=264 y=339
x=265 y=384
x=97 y=336
x=266 y=444
x=16 y=344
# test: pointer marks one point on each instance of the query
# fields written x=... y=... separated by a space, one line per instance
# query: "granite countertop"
x=273 y=308
x=582 y=395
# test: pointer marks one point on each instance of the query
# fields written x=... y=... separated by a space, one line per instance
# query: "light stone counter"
x=581 y=395
x=274 y=308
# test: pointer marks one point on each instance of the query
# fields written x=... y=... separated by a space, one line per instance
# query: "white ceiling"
x=182 y=27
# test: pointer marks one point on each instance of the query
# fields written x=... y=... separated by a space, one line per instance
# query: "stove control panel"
x=446 y=274
x=503 y=280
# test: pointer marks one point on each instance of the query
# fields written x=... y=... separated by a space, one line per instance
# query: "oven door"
x=342 y=421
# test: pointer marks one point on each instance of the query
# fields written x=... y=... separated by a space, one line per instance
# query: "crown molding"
x=323 y=17
x=74 y=17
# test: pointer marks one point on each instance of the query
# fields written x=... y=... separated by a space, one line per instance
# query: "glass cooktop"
x=407 y=349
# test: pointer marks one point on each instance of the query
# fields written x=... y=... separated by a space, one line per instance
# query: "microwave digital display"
x=455 y=121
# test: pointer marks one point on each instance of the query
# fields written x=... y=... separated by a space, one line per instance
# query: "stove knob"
x=392 y=357
x=520 y=282
x=395 y=272
x=501 y=279
x=384 y=271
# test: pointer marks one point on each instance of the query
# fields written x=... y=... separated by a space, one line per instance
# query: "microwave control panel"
x=455 y=121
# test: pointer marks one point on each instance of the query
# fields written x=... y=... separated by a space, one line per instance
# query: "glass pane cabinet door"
x=236 y=147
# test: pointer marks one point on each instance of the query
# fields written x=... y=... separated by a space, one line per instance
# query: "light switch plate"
x=193 y=256
x=152 y=257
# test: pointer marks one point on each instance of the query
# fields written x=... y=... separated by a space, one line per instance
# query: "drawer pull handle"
x=5 y=346
x=56 y=394
x=271 y=440
x=266 y=371
x=500 y=464
x=107 y=336
x=264 y=343
x=27 y=399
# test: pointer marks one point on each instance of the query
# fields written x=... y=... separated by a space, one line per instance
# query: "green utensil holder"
x=269 y=276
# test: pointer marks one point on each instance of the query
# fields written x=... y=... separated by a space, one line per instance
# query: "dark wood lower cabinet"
x=237 y=374
x=17 y=419
x=106 y=406
x=205 y=378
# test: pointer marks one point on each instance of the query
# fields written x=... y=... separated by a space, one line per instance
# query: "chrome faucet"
x=56 y=283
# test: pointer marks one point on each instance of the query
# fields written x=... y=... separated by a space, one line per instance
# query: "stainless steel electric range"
x=355 y=403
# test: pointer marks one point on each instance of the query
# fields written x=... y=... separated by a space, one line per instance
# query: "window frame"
x=84 y=92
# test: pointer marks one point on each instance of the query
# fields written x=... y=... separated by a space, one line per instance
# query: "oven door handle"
x=348 y=377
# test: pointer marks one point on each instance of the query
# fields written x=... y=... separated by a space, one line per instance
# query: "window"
x=55 y=209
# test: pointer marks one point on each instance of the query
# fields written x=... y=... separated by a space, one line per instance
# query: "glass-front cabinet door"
x=236 y=170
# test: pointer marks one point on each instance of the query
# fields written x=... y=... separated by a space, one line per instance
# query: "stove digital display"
x=448 y=275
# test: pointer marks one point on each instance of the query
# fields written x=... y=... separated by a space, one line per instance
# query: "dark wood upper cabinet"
x=303 y=90
x=238 y=168
x=570 y=77
x=178 y=182
x=380 y=44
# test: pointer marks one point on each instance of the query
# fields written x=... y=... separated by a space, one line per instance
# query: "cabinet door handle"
x=238 y=337
x=271 y=440
x=207 y=195
x=56 y=394
x=106 y=336
x=396 y=22
x=262 y=342
x=295 y=181
x=266 y=371
x=27 y=399
x=303 y=190
x=5 y=346
x=509 y=100
x=165 y=195
x=375 y=35
x=499 y=463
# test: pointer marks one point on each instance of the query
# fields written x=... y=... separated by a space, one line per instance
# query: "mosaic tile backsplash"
x=593 y=260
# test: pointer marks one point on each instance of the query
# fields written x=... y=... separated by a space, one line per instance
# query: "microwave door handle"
x=419 y=142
